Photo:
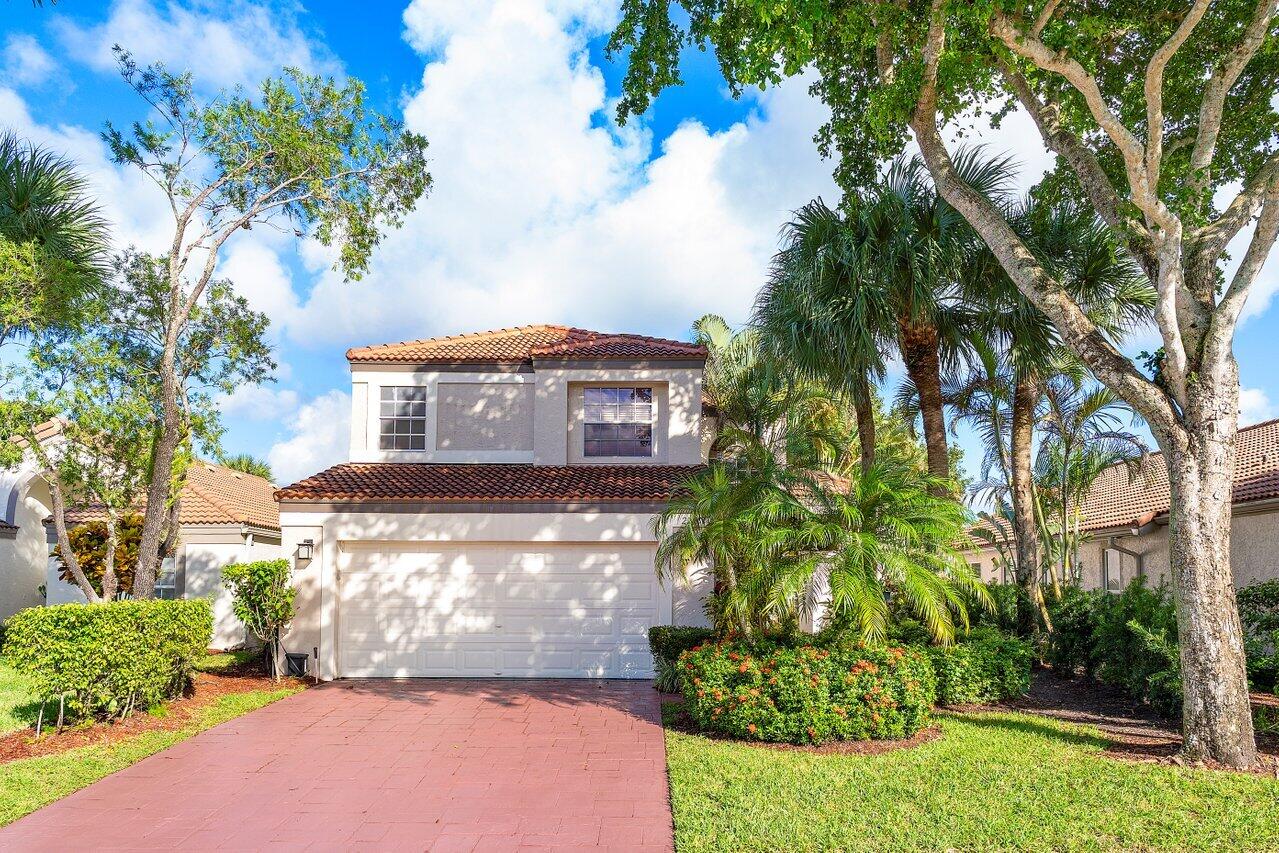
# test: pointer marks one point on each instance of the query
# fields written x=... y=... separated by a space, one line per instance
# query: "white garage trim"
x=506 y=609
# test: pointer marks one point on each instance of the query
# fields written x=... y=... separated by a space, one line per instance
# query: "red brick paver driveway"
x=392 y=765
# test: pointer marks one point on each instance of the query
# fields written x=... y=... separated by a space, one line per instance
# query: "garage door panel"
x=483 y=610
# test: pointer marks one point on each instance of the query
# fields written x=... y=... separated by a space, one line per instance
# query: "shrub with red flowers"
x=807 y=694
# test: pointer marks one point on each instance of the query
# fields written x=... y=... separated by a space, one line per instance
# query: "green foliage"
x=986 y=666
x=108 y=659
x=306 y=150
x=1005 y=598
x=89 y=542
x=247 y=464
x=771 y=530
x=1259 y=614
x=667 y=643
x=1127 y=640
x=53 y=241
x=807 y=694
x=262 y=597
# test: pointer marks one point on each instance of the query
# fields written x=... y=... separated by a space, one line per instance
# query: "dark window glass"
x=402 y=413
x=618 y=421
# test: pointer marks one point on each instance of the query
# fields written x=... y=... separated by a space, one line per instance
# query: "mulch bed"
x=680 y=721
x=207 y=687
x=1136 y=733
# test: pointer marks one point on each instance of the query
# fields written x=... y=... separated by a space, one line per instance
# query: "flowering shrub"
x=667 y=643
x=807 y=694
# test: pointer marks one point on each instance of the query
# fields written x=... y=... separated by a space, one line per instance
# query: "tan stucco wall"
x=1254 y=553
x=484 y=416
x=316 y=580
x=558 y=413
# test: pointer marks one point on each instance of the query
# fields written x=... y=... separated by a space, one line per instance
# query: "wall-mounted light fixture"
x=306 y=550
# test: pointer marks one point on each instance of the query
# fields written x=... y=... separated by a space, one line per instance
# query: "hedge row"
x=105 y=659
x=805 y=694
x=667 y=643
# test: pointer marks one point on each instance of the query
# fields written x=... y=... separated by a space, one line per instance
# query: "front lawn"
x=997 y=781
x=30 y=783
x=18 y=705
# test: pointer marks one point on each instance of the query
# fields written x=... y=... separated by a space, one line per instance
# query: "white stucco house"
x=495 y=517
x=226 y=517
x=1124 y=521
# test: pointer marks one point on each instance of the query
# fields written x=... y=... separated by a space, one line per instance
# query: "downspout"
x=1113 y=544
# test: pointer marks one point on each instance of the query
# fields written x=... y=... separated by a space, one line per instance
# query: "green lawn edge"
x=993 y=781
x=32 y=783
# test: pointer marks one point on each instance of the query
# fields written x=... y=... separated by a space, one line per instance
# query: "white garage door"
x=579 y=611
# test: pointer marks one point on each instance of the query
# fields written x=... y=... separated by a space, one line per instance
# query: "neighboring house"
x=226 y=517
x=496 y=515
x=1125 y=519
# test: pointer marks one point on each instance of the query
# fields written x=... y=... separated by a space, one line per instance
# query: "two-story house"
x=496 y=514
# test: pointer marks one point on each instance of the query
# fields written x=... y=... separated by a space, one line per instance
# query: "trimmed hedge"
x=106 y=659
x=807 y=694
x=985 y=667
x=667 y=643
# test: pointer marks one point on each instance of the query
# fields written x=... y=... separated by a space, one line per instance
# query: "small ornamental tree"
x=263 y=596
x=303 y=154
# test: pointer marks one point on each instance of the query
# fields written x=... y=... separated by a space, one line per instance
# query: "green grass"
x=226 y=660
x=18 y=703
x=28 y=784
x=992 y=782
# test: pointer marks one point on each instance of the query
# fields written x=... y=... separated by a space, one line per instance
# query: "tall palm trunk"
x=921 y=352
x=865 y=410
x=1025 y=532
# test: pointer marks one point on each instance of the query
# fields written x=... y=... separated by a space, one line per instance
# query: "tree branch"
x=1046 y=113
x=1107 y=363
x=1226 y=317
x=1218 y=87
x=1155 y=89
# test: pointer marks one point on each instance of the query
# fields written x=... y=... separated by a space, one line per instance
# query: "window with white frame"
x=166 y=582
x=402 y=418
x=1112 y=576
x=619 y=422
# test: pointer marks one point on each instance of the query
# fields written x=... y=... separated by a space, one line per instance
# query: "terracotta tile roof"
x=1117 y=499
x=1122 y=497
x=523 y=344
x=470 y=483
x=214 y=495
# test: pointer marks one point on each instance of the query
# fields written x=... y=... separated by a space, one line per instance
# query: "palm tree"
x=248 y=464
x=1088 y=261
x=53 y=239
x=823 y=312
x=1084 y=435
x=878 y=537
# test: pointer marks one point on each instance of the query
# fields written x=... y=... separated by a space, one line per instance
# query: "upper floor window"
x=403 y=419
x=619 y=422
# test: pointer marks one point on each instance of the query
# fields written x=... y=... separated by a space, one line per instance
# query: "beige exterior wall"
x=525 y=417
x=25 y=557
x=557 y=429
x=315 y=626
x=484 y=416
x=1254 y=553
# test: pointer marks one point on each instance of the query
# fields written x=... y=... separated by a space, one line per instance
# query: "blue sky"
x=543 y=209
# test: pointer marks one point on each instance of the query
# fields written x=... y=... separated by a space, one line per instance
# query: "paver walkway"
x=392 y=765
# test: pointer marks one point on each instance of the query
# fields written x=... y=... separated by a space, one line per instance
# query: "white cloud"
x=1254 y=406
x=222 y=44
x=25 y=62
x=320 y=436
x=260 y=403
x=544 y=210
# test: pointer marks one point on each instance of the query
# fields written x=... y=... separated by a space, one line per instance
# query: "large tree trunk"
x=1217 y=719
x=865 y=409
x=921 y=353
x=158 y=490
x=1025 y=531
